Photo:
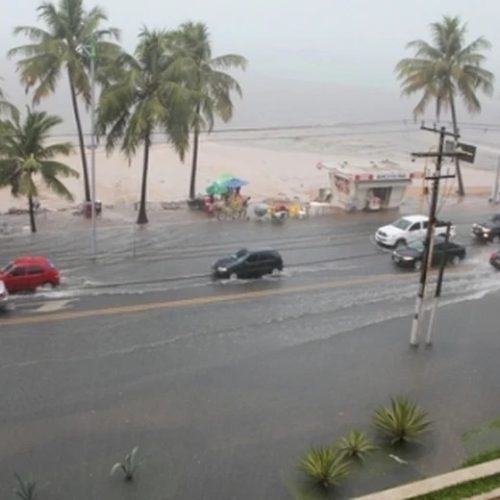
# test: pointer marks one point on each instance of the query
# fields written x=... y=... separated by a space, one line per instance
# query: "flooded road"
x=223 y=385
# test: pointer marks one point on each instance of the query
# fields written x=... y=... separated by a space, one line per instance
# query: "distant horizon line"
x=318 y=126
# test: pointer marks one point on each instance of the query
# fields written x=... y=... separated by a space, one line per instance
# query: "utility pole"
x=430 y=227
x=93 y=57
x=496 y=187
x=439 y=284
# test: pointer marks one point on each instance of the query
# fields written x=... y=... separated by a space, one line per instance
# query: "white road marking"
x=52 y=306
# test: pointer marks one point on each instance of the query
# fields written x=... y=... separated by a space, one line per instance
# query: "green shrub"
x=355 y=445
x=402 y=421
x=25 y=489
x=324 y=466
x=128 y=466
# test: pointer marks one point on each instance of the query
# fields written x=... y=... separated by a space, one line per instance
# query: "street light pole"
x=93 y=143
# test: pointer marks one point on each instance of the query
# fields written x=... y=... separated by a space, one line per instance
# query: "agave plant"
x=403 y=421
x=324 y=466
x=355 y=445
x=129 y=465
x=25 y=489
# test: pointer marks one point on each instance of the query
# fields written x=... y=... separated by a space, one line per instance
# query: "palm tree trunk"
x=80 y=139
x=194 y=163
x=31 y=206
x=142 y=218
x=461 y=191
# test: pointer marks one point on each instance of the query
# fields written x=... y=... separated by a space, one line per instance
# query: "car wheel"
x=455 y=260
x=400 y=243
x=417 y=265
x=233 y=276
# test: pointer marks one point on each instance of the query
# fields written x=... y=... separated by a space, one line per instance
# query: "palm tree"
x=143 y=98
x=205 y=76
x=24 y=157
x=64 y=47
x=445 y=69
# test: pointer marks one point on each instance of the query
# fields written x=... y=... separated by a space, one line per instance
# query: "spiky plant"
x=356 y=445
x=324 y=466
x=129 y=465
x=25 y=490
x=402 y=421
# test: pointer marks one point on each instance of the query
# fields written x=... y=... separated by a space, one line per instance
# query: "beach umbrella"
x=235 y=183
x=216 y=188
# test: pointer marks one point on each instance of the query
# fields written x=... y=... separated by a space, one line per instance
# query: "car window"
x=18 y=271
x=402 y=224
x=254 y=258
x=240 y=254
x=35 y=270
x=417 y=245
x=415 y=226
x=425 y=224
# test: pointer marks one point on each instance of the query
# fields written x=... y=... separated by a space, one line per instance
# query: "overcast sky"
x=323 y=47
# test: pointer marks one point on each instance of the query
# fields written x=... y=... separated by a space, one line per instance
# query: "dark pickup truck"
x=488 y=230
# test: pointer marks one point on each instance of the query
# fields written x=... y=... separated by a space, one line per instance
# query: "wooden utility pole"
x=439 y=155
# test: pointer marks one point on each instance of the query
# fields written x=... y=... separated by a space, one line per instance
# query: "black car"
x=495 y=260
x=248 y=264
x=412 y=255
x=488 y=230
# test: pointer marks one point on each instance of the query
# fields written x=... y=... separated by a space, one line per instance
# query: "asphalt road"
x=224 y=385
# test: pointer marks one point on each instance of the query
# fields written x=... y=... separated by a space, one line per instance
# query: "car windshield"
x=8 y=268
x=239 y=254
x=402 y=223
x=416 y=245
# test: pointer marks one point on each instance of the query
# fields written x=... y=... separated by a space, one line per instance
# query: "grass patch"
x=486 y=456
x=465 y=490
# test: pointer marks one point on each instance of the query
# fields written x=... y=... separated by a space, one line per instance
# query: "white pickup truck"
x=407 y=229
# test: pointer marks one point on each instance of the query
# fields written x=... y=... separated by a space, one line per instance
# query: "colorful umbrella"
x=216 y=188
x=234 y=183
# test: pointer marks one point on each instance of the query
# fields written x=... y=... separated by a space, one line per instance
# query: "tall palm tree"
x=205 y=76
x=24 y=157
x=64 y=48
x=143 y=98
x=445 y=69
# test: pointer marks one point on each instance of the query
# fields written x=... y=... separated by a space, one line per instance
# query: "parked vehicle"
x=488 y=230
x=412 y=255
x=248 y=264
x=495 y=260
x=29 y=273
x=4 y=296
x=407 y=229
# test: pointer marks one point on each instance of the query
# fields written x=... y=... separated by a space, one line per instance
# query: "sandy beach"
x=277 y=163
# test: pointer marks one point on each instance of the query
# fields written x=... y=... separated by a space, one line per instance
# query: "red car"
x=28 y=273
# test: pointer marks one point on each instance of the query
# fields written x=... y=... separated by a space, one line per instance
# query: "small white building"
x=376 y=186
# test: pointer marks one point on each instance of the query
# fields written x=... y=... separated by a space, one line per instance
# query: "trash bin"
x=87 y=210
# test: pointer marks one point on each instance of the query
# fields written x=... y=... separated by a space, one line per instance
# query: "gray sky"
x=333 y=59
